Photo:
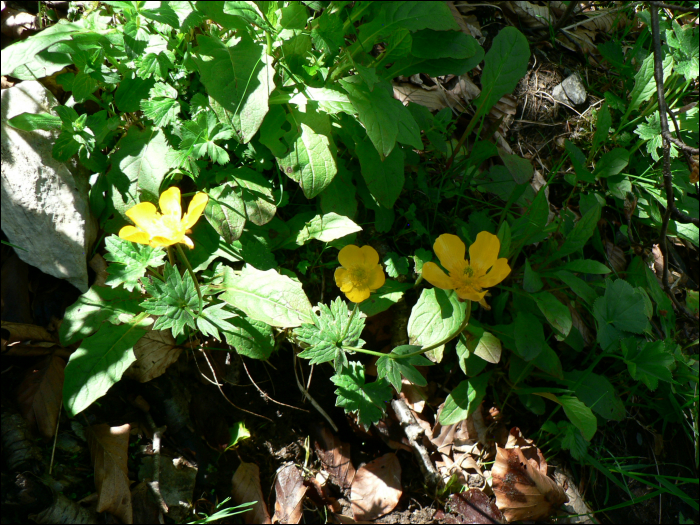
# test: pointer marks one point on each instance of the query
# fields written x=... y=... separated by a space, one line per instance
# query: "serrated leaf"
x=464 y=400
x=129 y=261
x=199 y=139
x=393 y=369
x=214 y=318
x=267 y=296
x=354 y=395
x=580 y=415
x=135 y=38
x=131 y=91
x=97 y=305
x=395 y=265
x=645 y=83
x=175 y=301
x=647 y=361
x=324 y=335
x=437 y=314
x=251 y=338
x=310 y=162
x=99 y=363
x=239 y=76
x=384 y=298
x=163 y=106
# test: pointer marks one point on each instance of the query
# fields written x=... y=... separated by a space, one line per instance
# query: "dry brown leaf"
x=290 y=491
x=109 y=447
x=468 y=24
x=413 y=395
x=40 y=394
x=376 y=488
x=578 y=323
x=616 y=257
x=472 y=506
x=604 y=22
x=335 y=456
x=532 y=15
x=26 y=332
x=246 y=488
x=154 y=352
x=523 y=491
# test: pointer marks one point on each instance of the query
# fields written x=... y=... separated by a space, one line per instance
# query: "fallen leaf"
x=616 y=257
x=376 y=488
x=26 y=332
x=472 y=506
x=40 y=394
x=290 y=491
x=154 y=353
x=335 y=456
x=109 y=451
x=523 y=490
x=246 y=488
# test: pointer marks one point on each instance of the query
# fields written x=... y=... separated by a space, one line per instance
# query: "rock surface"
x=45 y=207
x=570 y=91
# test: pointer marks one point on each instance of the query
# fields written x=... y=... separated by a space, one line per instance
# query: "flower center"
x=358 y=275
x=469 y=272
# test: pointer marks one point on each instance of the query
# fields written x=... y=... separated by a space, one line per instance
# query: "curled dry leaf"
x=290 y=491
x=376 y=488
x=245 y=487
x=335 y=457
x=109 y=447
x=154 y=353
x=523 y=490
x=472 y=506
x=41 y=393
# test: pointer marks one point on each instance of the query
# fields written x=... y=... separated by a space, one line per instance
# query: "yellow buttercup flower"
x=361 y=272
x=467 y=277
x=166 y=228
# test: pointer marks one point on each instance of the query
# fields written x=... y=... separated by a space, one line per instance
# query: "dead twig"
x=311 y=399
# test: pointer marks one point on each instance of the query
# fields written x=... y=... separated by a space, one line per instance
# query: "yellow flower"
x=360 y=274
x=468 y=278
x=167 y=228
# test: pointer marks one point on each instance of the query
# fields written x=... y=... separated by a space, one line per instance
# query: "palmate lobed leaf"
x=648 y=361
x=175 y=301
x=367 y=400
x=393 y=369
x=129 y=261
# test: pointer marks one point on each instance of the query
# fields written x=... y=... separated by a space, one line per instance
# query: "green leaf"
x=464 y=400
x=271 y=131
x=385 y=179
x=140 y=164
x=620 y=309
x=154 y=66
x=578 y=159
x=470 y=363
x=580 y=415
x=131 y=92
x=393 y=369
x=33 y=121
x=293 y=16
x=483 y=344
x=444 y=44
x=239 y=76
x=251 y=338
x=531 y=280
x=603 y=124
x=647 y=361
x=585 y=266
x=645 y=83
x=597 y=392
x=247 y=11
x=97 y=305
x=311 y=162
x=325 y=335
x=395 y=265
x=225 y=211
x=44 y=64
x=163 y=106
x=529 y=335
x=136 y=38
x=505 y=64
x=384 y=298
x=556 y=313
x=97 y=364
x=22 y=52
x=354 y=395
x=612 y=163
x=199 y=139
x=268 y=297
x=175 y=301
x=578 y=286
x=256 y=193
x=129 y=261
x=164 y=14
x=339 y=196
x=214 y=319
x=325 y=228
x=573 y=441
x=579 y=236
x=437 y=314
x=385 y=119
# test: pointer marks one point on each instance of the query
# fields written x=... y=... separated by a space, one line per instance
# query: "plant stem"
x=363 y=351
x=347 y=326
x=194 y=277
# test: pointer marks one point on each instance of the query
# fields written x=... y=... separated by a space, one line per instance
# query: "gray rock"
x=45 y=207
x=571 y=91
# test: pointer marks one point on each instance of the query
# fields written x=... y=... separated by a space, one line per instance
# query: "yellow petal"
x=467 y=292
x=133 y=234
x=342 y=280
x=484 y=304
x=377 y=279
x=350 y=256
x=483 y=253
x=435 y=276
x=170 y=202
x=357 y=295
x=370 y=256
x=195 y=209
x=499 y=272
x=188 y=242
x=144 y=215
x=162 y=241
x=450 y=250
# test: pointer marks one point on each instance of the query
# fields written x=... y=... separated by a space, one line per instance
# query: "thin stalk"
x=181 y=252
